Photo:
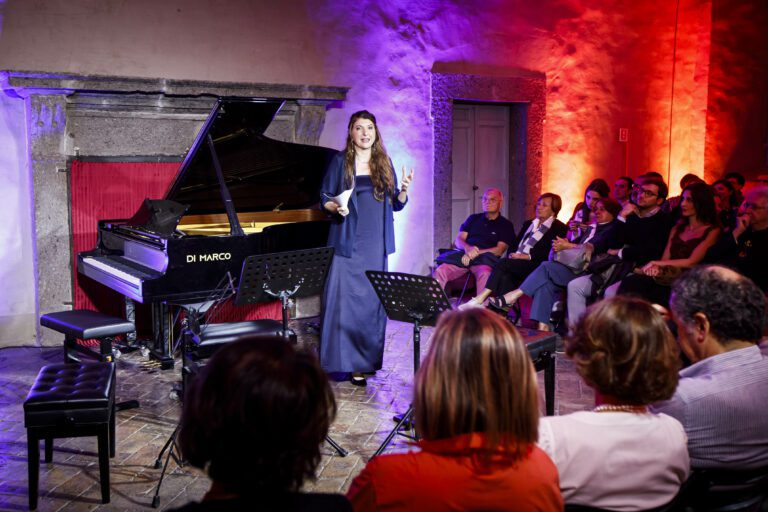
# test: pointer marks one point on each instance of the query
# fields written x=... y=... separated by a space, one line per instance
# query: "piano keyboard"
x=111 y=268
x=118 y=273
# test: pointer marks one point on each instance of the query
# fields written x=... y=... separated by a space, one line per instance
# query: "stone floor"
x=71 y=481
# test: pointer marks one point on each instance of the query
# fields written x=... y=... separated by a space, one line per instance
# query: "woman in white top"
x=620 y=456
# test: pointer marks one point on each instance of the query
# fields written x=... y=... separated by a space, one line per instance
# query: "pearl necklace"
x=636 y=409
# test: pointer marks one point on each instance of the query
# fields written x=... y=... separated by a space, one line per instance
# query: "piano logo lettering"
x=214 y=256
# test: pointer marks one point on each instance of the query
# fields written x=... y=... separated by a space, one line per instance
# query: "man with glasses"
x=645 y=236
x=745 y=248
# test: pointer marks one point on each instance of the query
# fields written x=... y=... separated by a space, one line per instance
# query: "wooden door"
x=480 y=158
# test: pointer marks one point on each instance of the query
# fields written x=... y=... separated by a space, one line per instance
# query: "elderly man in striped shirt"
x=720 y=399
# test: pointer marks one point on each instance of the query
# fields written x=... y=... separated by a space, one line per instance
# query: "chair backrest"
x=722 y=491
x=693 y=486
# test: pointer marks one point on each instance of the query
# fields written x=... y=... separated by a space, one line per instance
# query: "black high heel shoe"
x=499 y=304
x=358 y=380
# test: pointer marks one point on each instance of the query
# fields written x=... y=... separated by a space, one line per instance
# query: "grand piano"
x=237 y=193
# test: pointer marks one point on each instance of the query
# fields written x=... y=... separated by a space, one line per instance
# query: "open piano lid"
x=260 y=173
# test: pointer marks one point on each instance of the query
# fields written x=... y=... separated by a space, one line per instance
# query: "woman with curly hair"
x=476 y=408
x=620 y=456
x=363 y=234
x=254 y=419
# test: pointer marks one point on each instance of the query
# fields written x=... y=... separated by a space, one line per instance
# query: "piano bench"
x=85 y=324
x=70 y=400
x=214 y=336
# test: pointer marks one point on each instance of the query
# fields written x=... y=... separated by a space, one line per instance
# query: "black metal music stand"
x=285 y=275
x=282 y=276
x=414 y=299
x=197 y=316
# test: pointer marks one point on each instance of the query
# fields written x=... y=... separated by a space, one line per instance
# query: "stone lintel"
x=52 y=83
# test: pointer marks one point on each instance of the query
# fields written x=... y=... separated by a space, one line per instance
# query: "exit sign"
x=623 y=134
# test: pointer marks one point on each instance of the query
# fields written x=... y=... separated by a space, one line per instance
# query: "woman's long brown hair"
x=381 y=167
x=478 y=378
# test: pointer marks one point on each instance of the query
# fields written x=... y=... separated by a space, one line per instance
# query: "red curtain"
x=115 y=190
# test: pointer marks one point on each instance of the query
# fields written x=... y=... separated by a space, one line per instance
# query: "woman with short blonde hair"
x=476 y=407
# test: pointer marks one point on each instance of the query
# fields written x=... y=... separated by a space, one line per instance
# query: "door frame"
x=526 y=97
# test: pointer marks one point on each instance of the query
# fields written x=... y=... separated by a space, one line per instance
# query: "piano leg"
x=162 y=334
x=130 y=315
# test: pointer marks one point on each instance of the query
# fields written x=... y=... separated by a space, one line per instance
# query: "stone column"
x=46 y=118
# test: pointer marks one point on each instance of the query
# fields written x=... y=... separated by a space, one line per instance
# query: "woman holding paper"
x=362 y=234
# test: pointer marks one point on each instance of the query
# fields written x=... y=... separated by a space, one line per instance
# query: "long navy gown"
x=354 y=321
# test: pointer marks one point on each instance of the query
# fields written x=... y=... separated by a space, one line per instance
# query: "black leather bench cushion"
x=64 y=394
x=212 y=336
x=86 y=324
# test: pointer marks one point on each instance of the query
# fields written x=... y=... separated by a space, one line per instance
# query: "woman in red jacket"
x=476 y=407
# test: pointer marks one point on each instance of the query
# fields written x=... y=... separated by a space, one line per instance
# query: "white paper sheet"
x=342 y=199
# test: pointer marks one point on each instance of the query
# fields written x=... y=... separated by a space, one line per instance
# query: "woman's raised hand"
x=406 y=180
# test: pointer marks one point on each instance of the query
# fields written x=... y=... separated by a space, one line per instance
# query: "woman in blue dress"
x=362 y=234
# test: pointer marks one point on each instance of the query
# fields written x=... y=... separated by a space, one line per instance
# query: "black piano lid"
x=261 y=173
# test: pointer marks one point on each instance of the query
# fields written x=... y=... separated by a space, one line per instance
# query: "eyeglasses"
x=647 y=193
x=747 y=206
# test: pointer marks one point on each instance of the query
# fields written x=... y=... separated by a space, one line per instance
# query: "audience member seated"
x=622 y=188
x=645 y=234
x=688 y=243
x=745 y=249
x=672 y=205
x=726 y=204
x=477 y=411
x=720 y=400
x=254 y=419
x=620 y=456
x=583 y=214
x=483 y=238
x=738 y=181
x=545 y=283
x=533 y=245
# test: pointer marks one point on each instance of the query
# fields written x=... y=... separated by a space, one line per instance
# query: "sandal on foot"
x=499 y=304
x=471 y=304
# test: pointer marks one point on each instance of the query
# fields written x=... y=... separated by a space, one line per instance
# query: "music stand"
x=413 y=299
x=282 y=276
x=285 y=275
x=206 y=310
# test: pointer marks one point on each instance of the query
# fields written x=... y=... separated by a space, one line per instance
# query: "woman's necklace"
x=636 y=409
